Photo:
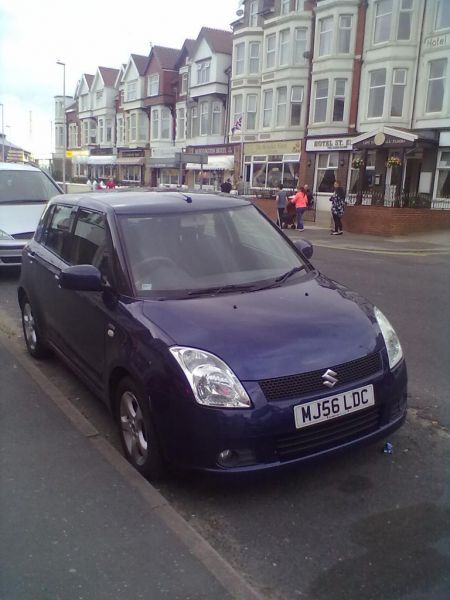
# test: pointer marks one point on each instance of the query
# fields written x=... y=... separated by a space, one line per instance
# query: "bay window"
x=436 y=85
x=239 y=57
x=204 y=118
x=299 y=45
x=377 y=88
x=166 y=121
x=108 y=130
x=267 y=108
x=325 y=36
x=133 y=127
x=101 y=130
x=339 y=99
x=216 y=125
x=344 y=33
x=296 y=105
x=194 y=121
x=181 y=124
x=203 y=71
x=398 y=92
x=321 y=100
x=383 y=18
x=131 y=90
x=184 y=84
x=155 y=124
x=404 y=20
x=270 y=50
x=442 y=20
x=281 y=107
x=283 y=52
x=238 y=108
x=153 y=85
x=251 y=112
x=253 y=57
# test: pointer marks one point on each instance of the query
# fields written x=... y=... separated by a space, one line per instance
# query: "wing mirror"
x=83 y=278
x=305 y=247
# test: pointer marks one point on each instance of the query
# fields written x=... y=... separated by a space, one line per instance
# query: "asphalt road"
x=364 y=525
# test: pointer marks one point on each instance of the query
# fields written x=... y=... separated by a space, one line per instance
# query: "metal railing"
x=391 y=198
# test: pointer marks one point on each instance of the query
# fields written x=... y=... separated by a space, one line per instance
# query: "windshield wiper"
x=223 y=289
x=288 y=274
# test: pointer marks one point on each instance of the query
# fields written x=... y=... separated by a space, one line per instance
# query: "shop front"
x=130 y=167
x=220 y=166
x=269 y=164
x=101 y=164
x=441 y=192
x=392 y=167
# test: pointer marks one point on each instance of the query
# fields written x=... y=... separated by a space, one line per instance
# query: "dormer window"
x=131 y=90
x=98 y=97
x=153 y=85
x=184 y=84
x=253 y=14
x=285 y=7
x=203 y=71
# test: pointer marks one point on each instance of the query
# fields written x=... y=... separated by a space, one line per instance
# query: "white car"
x=24 y=193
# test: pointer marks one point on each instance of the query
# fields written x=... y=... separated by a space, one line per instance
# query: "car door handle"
x=56 y=276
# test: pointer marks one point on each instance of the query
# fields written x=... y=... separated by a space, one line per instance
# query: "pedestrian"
x=241 y=186
x=94 y=184
x=110 y=183
x=101 y=185
x=337 y=207
x=300 y=202
x=309 y=195
x=226 y=186
x=282 y=200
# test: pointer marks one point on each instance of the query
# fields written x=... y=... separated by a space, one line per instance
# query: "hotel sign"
x=436 y=41
x=329 y=144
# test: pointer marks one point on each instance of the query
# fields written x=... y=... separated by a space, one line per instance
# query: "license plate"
x=318 y=411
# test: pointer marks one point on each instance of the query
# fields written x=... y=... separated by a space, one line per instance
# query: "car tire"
x=137 y=433
x=32 y=332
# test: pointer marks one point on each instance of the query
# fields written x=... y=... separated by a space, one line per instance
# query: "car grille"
x=296 y=386
x=10 y=260
x=317 y=438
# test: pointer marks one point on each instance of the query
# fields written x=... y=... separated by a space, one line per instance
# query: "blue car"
x=214 y=341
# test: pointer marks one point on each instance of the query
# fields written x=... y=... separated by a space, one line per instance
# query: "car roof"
x=143 y=202
x=11 y=166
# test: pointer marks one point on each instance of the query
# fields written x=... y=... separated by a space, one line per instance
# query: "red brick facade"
x=383 y=221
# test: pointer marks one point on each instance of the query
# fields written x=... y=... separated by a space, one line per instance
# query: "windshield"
x=26 y=186
x=210 y=252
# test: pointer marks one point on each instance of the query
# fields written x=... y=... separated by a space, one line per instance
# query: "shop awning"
x=102 y=160
x=215 y=163
x=130 y=160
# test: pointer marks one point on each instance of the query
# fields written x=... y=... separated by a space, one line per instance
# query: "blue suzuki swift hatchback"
x=212 y=338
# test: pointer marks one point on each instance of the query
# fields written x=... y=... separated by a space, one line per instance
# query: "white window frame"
x=380 y=19
x=271 y=51
x=181 y=123
x=320 y=99
x=253 y=14
x=194 y=121
x=337 y=96
x=281 y=107
x=203 y=71
x=184 y=84
x=216 y=118
x=120 y=130
x=406 y=9
x=441 y=167
x=101 y=131
x=285 y=7
x=239 y=58
x=429 y=84
x=267 y=112
x=131 y=90
x=300 y=45
x=155 y=124
x=344 y=34
x=250 y=113
x=133 y=127
x=375 y=87
x=325 y=47
x=254 y=57
x=238 y=108
x=296 y=101
x=441 y=6
x=398 y=82
x=204 y=118
x=165 y=123
x=284 y=42
x=153 y=85
x=332 y=162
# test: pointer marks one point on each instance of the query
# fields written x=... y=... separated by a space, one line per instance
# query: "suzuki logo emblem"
x=329 y=378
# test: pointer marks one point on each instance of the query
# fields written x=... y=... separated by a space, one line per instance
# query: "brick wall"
x=380 y=220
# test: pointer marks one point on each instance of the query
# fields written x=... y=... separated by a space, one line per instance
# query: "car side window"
x=56 y=236
x=90 y=242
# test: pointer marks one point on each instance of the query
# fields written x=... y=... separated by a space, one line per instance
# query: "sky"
x=84 y=35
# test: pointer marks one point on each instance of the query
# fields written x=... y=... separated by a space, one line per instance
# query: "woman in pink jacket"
x=301 y=202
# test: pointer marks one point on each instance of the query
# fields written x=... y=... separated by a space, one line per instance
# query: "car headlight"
x=393 y=346
x=5 y=236
x=211 y=380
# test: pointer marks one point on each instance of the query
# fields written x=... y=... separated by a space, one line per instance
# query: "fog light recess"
x=235 y=458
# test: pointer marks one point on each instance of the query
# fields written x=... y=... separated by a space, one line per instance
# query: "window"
x=299 y=45
x=108 y=130
x=184 y=84
x=320 y=108
x=92 y=133
x=127 y=130
x=120 y=131
x=238 y=108
x=239 y=57
x=133 y=128
x=101 y=130
x=296 y=105
x=253 y=57
x=181 y=124
x=73 y=141
x=267 y=108
x=404 y=20
x=376 y=93
x=98 y=98
x=84 y=102
x=283 y=53
x=383 y=18
x=344 y=34
x=85 y=141
x=285 y=6
x=398 y=92
x=56 y=236
x=59 y=136
x=203 y=69
x=89 y=240
x=194 y=121
x=281 y=107
x=270 y=50
x=442 y=14
x=131 y=90
x=339 y=99
x=155 y=124
x=204 y=118
x=153 y=85
x=326 y=171
x=325 y=36
x=216 y=125
x=443 y=178
x=251 y=112
x=253 y=13
x=436 y=85
x=165 y=123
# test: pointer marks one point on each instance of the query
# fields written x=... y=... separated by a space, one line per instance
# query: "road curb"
x=196 y=544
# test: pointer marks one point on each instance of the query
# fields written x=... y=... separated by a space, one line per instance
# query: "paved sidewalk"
x=72 y=527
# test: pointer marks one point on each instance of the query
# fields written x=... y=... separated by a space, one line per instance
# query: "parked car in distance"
x=24 y=192
x=214 y=341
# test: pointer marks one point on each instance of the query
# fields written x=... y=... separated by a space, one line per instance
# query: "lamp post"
x=58 y=62
x=3 y=135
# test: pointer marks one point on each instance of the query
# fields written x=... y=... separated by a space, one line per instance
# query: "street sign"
x=185 y=157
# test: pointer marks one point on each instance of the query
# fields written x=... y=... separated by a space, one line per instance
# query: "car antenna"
x=186 y=197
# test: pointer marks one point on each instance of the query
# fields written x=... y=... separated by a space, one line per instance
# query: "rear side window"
x=89 y=238
x=26 y=186
x=56 y=236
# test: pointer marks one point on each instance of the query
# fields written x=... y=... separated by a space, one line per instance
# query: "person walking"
x=300 y=202
x=281 y=199
x=226 y=186
x=309 y=195
x=337 y=207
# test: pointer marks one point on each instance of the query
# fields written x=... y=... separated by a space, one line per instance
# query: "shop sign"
x=387 y=141
x=436 y=41
x=72 y=153
x=289 y=147
x=132 y=153
x=212 y=150
x=329 y=145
